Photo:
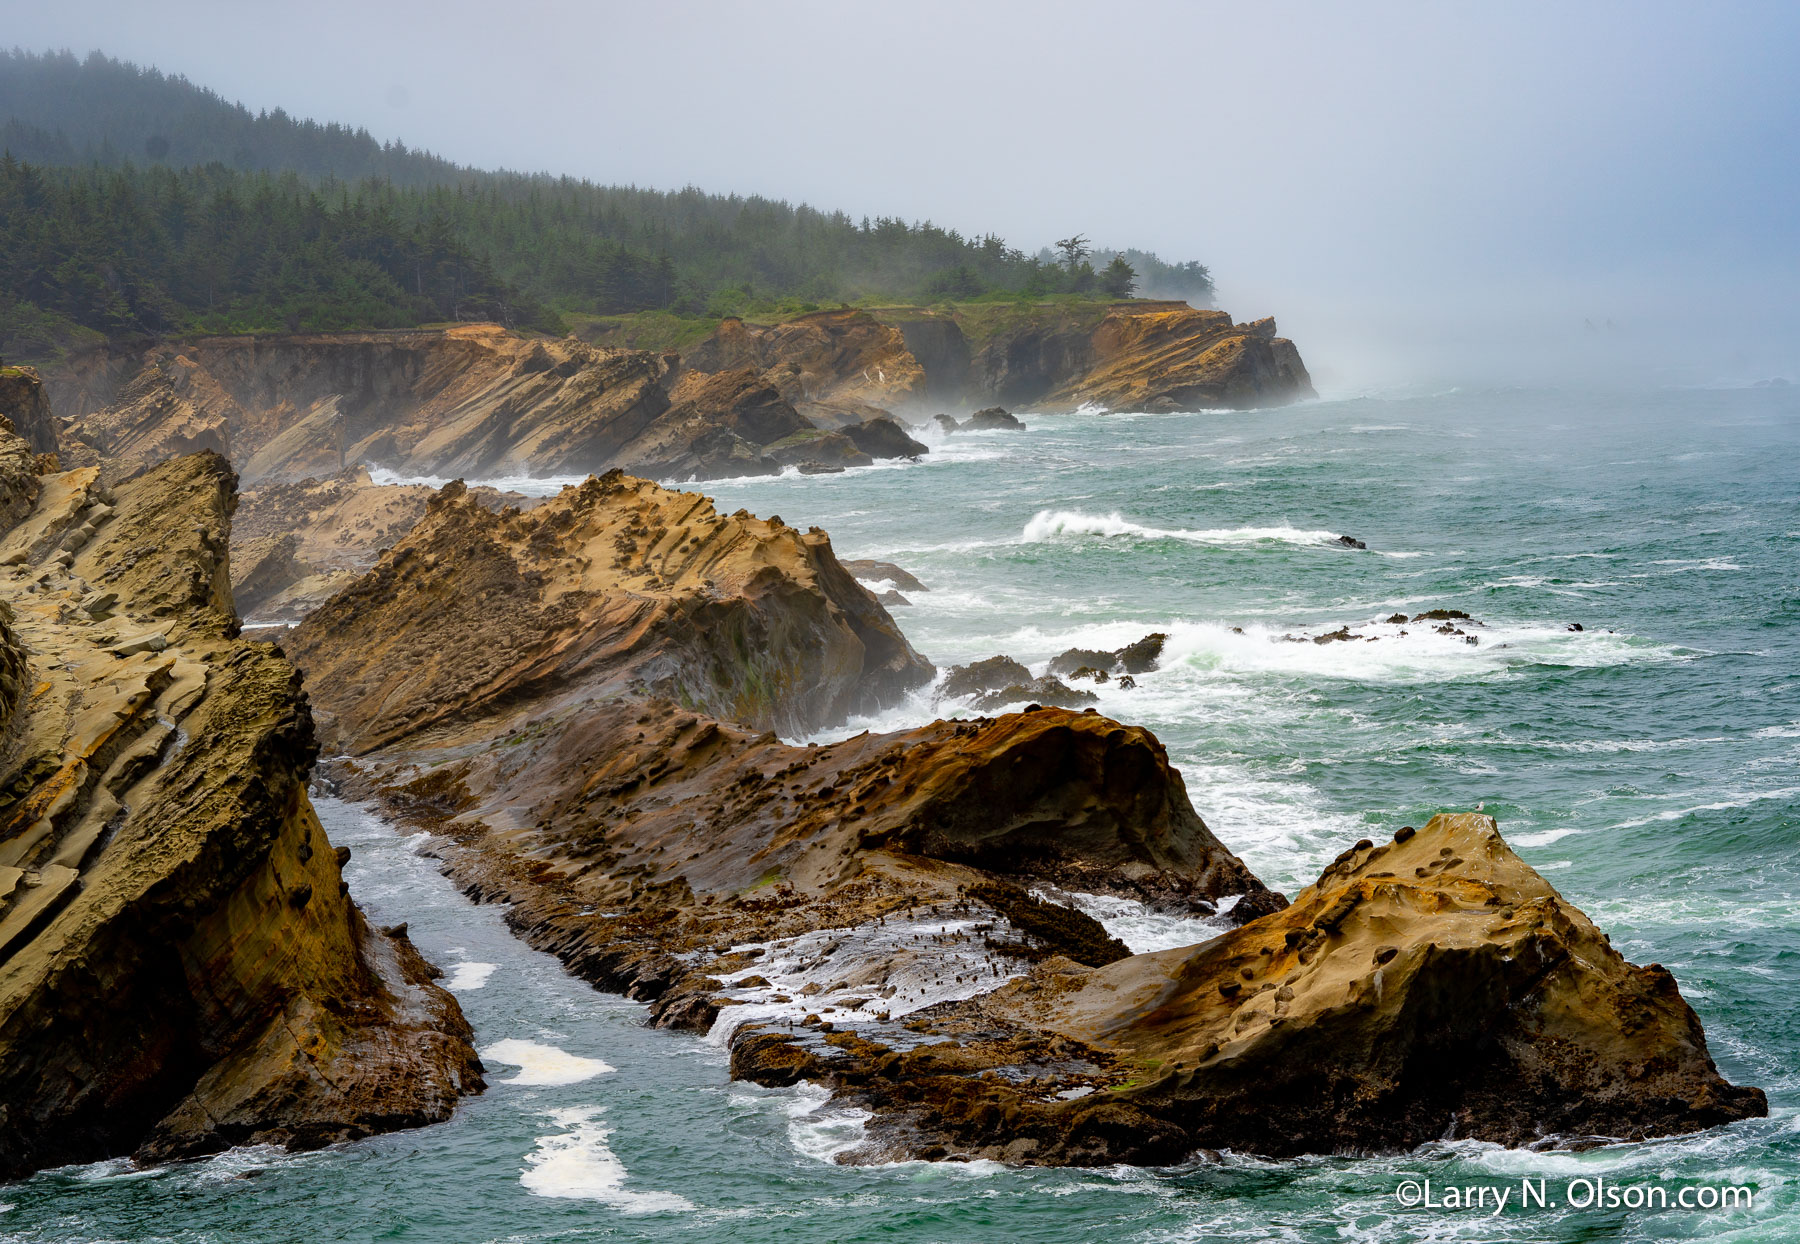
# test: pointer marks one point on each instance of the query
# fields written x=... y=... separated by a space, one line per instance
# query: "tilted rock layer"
x=479 y=401
x=1153 y=356
x=1431 y=987
x=181 y=968
x=295 y=545
x=613 y=586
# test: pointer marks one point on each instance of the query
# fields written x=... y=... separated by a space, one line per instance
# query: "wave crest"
x=1052 y=524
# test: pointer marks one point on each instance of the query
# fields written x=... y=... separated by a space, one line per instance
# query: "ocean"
x=1630 y=713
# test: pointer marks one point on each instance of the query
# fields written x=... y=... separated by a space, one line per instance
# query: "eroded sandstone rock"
x=181 y=968
x=616 y=586
x=1427 y=988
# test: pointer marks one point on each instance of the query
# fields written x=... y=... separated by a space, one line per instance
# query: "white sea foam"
x=864 y=974
x=578 y=1163
x=469 y=976
x=1141 y=929
x=1543 y=838
x=819 y=1129
x=525 y=485
x=1722 y=805
x=1052 y=524
x=543 y=1064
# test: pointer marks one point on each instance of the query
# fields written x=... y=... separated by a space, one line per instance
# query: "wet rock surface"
x=1432 y=987
x=181 y=968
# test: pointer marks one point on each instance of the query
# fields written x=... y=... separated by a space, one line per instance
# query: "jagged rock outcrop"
x=1432 y=987
x=905 y=907
x=295 y=545
x=616 y=586
x=181 y=967
x=25 y=405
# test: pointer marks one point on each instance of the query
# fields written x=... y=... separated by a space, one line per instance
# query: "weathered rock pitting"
x=181 y=968
x=614 y=587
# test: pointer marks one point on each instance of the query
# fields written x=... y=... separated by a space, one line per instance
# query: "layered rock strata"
x=181 y=968
x=295 y=545
x=1432 y=987
x=615 y=587
x=904 y=917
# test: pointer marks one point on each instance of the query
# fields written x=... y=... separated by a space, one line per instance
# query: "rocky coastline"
x=822 y=392
x=181 y=966
x=592 y=702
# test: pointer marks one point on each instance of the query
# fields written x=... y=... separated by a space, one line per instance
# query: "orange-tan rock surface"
x=829 y=363
x=295 y=545
x=1433 y=987
x=614 y=587
x=181 y=968
x=1151 y=356
x=1183 y=359
x=475 y=400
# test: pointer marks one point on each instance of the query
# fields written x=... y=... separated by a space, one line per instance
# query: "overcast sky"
x=1412 y=189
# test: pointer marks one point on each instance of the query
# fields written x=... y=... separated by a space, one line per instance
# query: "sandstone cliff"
x=181 y=968
x=24 y=404
x=473 y=400
x=1153 y=356
x=614 y=586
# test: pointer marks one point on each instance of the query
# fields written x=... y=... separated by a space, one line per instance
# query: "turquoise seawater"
x=1648 y=764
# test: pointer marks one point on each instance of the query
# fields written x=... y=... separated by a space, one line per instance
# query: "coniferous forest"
x=132 y=202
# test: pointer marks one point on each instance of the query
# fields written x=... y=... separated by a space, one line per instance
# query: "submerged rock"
x=181 y=967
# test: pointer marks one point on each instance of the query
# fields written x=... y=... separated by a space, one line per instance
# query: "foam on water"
x=524 y=485
x=1141 y=928
x=543 y=1064
x=578 y=1163
x=1052 y=524
x=820 y=1130
x=867 y=975
x=466 y=976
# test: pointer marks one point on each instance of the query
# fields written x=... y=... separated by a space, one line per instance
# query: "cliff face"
x=181 y=968
x=473 y=400
x=24 y=404
x=616 y=585
x=825 y=362
x=1130 y=356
